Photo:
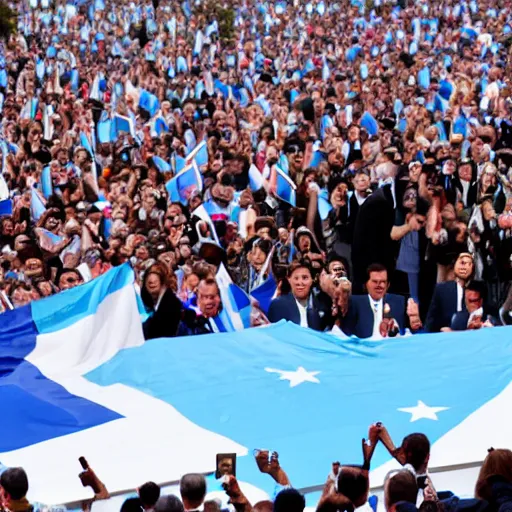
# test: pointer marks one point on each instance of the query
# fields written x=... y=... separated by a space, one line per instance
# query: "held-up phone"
x=83 y=463
x=225 y=464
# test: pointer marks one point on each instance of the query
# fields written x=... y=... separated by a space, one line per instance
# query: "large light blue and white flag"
x=58 y=413
x=312 y=396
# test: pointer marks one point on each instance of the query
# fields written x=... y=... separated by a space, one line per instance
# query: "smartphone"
x=83 y=463
x=225 y=464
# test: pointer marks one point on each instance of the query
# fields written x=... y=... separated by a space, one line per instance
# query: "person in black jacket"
x=372 y=236
x=160 y=301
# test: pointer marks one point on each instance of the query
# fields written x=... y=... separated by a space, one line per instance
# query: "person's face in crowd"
x=409 y=200
x=449 y=167
x=463 y=267
x=304 y=244
x=257 y=258
x=168 y=259
x=195 y=202
x=264 y=233
x=154 y=285
x=45 y=288
x=353 y=134
x=185 y=249
x=335 y=155
x=174 y=210
x=377 y=285
x=33 y=268
x=414 y=172
x=81 y=157
x=488 y=211
x=191 y=282
x=465 y=172
x=62 y=157
x=295 y=157
x=300 y=283
x=488 y=178
x=69 y=280
x=337 y=269
x=23 y=295
x=142 y=253
x=361 y=183
x=52 y=224
x=477 y=148
x=8 y=227
x=208 y=299
x=473 y=300
x=339 y=194
x=283 y=235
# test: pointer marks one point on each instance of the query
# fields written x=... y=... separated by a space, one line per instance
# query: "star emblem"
x=423 y=411
x=295 y=377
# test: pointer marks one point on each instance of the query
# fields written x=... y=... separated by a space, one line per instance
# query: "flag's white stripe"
x=153 y=440
x=469 y=441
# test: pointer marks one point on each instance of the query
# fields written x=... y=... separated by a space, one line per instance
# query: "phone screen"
x=225 y=464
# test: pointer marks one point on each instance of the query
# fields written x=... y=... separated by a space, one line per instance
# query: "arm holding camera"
x=89 y=479
x=236 y=497
x=271 y=466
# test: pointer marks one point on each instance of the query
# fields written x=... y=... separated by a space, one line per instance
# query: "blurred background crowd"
x=342 y=163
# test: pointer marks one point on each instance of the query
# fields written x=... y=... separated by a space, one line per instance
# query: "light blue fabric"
x=233 y=387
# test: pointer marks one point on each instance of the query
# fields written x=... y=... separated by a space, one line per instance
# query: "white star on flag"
x=296 y=377
x=422 y=411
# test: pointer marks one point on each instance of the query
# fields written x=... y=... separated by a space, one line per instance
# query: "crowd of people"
x=409 y=489
x=354 y=158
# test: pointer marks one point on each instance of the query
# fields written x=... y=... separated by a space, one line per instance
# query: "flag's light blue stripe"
x=234 y=396
x=66 y=308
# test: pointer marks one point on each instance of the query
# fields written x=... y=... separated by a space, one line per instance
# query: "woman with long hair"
x=494 y=483
x=161 y=303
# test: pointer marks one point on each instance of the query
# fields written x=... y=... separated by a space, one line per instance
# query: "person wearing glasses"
x=69 y=278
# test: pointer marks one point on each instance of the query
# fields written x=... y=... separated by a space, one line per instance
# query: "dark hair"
x=169 y=503
x=15 y=483
x=478 y=286
x=416 y=448
x=149 y=494
x=289 y=500
x=68 y=271
x=375 y=267
x=299 y=264
x=263 y=245
x=209 y=281
x=402 y=486
x=353 y=483
x=132 y=505
x=193 y=489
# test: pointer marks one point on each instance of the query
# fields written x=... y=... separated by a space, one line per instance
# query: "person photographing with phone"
x=89 y=479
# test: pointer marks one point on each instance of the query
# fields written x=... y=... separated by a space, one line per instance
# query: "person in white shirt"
x=301 y=306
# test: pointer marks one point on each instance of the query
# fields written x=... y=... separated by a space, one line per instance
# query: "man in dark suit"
x=303 y=306
x=372 y=235
x=378 y=313
x=285 y=308
x=448 y=297
x=476 y=314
